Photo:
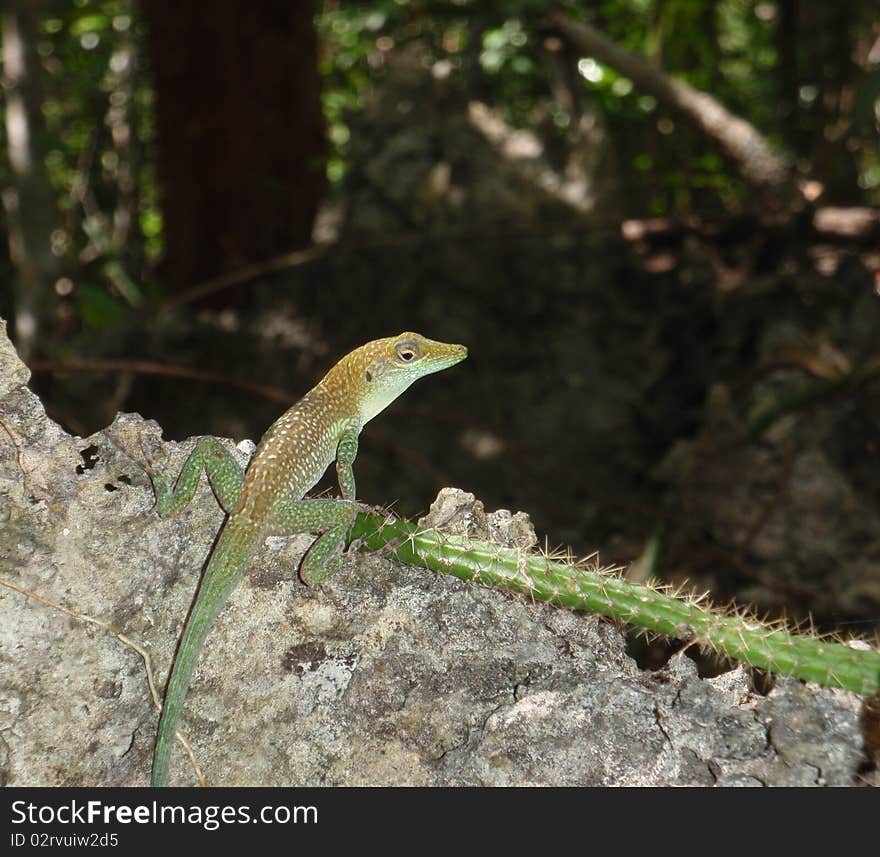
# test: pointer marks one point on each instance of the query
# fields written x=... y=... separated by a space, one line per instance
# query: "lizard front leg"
x=346 y=452
x=332 y=518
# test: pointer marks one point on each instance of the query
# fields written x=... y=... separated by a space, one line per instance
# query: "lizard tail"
x=229 y=559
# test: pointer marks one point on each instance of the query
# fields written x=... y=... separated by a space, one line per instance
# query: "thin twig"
x=806 y=396
x=249 y=272
x=19 y=450
x=149 y=367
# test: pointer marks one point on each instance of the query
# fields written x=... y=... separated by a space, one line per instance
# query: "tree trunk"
x=741 y=142
x=787 y=75
x=28 y=201
x=832 y=157
x=240 y=133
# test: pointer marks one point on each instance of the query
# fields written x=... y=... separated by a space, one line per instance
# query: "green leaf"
x=89 y=24
x=866 y=98
x=97 y=308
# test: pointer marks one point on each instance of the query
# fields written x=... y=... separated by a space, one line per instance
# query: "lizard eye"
x=406 y=352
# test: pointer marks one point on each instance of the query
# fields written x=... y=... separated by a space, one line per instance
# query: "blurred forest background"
x=654 y=223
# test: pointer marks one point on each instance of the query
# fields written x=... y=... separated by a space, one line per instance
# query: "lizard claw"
x=353 y=548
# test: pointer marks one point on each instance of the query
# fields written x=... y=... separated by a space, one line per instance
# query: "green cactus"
x=851 y=666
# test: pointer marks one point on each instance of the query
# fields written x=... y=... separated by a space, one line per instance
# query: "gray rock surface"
x=386 y=675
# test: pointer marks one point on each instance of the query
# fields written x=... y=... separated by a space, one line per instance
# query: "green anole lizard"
x=268 y=499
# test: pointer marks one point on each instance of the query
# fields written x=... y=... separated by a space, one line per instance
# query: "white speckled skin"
x=292 y=456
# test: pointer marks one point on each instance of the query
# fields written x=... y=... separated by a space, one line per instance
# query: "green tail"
x=229 y=559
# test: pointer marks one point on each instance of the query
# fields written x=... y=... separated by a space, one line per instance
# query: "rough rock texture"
x=385 y=675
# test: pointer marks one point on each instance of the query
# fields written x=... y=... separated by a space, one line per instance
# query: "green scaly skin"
x=268 y=500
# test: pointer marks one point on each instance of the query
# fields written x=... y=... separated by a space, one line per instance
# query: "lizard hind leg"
x=324 y=557
x=224 y=474
x=332 y=518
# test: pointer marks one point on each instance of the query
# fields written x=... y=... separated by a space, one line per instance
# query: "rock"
x=385 y=675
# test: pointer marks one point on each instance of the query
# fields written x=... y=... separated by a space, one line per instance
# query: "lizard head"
x=387 y=367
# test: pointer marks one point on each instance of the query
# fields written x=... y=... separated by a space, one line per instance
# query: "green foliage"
x=728 y=48
x=97 y=104
x=96 y=307
x=97 y=110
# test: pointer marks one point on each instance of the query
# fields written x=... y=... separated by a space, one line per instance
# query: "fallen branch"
x=759 y=164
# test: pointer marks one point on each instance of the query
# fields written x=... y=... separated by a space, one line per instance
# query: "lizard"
x=269 y=498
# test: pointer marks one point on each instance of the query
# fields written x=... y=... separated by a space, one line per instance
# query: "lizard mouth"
x=454 y=354
x=459 y=353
